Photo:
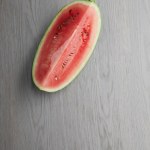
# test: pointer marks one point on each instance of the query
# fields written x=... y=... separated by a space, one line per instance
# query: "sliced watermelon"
x=66 y=46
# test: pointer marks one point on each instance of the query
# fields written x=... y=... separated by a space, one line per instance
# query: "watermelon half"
x=66 y=46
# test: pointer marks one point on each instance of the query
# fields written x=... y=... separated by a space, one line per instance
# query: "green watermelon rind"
x=83 y=63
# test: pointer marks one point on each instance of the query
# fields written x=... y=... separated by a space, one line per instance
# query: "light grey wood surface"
x=106 y=108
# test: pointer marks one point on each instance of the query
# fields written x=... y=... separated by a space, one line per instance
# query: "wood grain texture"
x=106 y=108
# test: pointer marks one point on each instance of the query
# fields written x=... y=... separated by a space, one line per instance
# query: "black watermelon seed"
x=70 y=11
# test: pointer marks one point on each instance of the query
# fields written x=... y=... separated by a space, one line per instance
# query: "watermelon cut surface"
x=66 y=46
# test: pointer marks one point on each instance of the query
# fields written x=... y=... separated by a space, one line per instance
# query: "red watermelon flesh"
x=66 y=46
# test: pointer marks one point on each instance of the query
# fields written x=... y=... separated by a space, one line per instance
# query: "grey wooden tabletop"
x=107 y=107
